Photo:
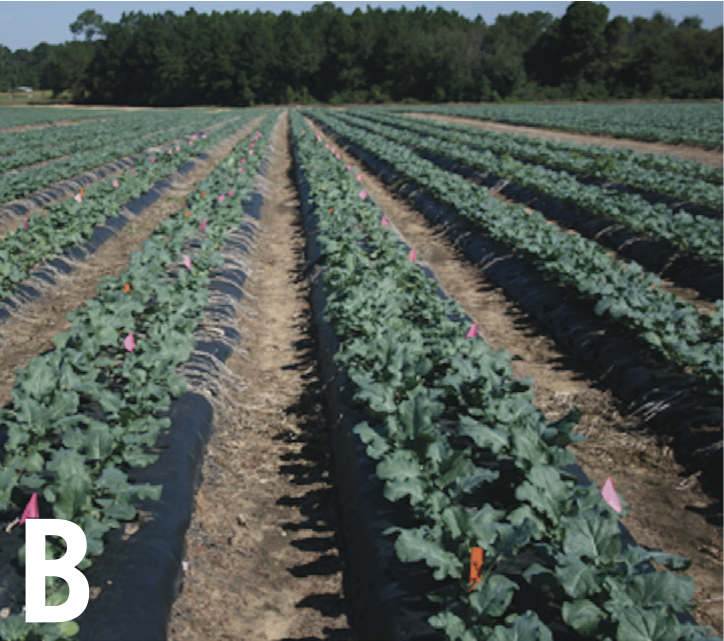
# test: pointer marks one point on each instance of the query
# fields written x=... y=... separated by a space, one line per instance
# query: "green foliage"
x=248 y=58
x=85 y=414
x=463 y=452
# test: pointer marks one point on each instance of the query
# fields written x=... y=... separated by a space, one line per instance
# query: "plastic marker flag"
x=476 y=568
x=78 y=198
x=31 y=510
x=202 y=226
x=363 y=195
x=412 y=256
x=187 y=262
x=25 y=224
x=129 y=343
x=473 y=331
x=609 y=494
x=115 y=184
x=385 y=222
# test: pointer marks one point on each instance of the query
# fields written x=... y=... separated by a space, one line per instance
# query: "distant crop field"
x=691 y=123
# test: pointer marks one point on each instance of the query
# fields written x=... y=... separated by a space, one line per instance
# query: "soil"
x=263 y=560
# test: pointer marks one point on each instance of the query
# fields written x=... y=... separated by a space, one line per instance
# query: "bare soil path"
x=668 y=510
x=262 y=560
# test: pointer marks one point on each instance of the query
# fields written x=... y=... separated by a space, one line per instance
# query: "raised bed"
x=384 y=604
x=692 y=420
x=139 y=574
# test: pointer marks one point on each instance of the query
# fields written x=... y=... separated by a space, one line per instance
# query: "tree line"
x=249 y=58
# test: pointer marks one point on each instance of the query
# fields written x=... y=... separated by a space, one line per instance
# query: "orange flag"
x=476 y=567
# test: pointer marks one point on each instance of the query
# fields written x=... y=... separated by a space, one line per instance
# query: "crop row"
x=13 y=117
x=463 y=452
x=626 y=294
x=85 y=414
x=59 y=227
x=697 y=234
x=49 y=144
x=589 y=161
x=694 y=123
x=16 y=184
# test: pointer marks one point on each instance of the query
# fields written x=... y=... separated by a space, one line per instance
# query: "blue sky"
x=26 y=23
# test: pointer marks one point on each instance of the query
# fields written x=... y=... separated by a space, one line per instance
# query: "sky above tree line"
x=25 y=24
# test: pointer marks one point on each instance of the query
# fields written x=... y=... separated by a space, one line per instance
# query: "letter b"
x=37 y=568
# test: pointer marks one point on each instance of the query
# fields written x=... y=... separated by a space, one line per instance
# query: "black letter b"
x=37 y=568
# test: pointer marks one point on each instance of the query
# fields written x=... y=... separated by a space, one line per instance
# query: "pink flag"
x=31 y=509
x=115 y=184
x=133 y=171
x=78 y=198
x=231 y=193
x=169 y=152
x=153 y=159
x=241 y=170
x=25 y=224
x=221 y=198
x=251 y=152
x=191 y=142
x=129 y=343
x=359 y=177
x=609 y=494
x=178 y=148
x=363 y=195
x=339 y=157
x=187 y=262
x=385 y=222
x=473 y=331
x=243 y=160
x=202 y=226
x=412 y=256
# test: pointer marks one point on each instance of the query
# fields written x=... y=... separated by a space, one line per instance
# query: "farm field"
x=265 y=549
